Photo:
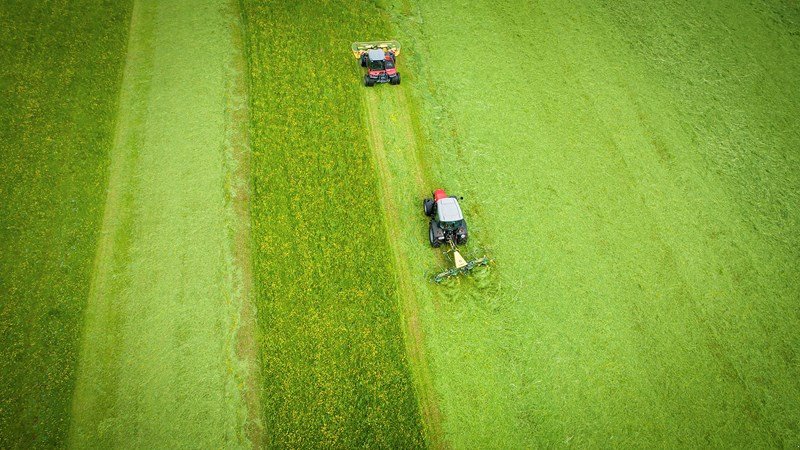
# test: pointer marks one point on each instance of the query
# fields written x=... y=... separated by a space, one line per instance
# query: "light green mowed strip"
x=159 y=366
x=630 y=169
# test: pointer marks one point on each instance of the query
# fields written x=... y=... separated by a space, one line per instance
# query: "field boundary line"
x=413 y=333
x=241 y=239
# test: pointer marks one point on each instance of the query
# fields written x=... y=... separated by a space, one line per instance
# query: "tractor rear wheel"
x=364 y=60
x=432 y=235
x=427 y=206
x=434 y=242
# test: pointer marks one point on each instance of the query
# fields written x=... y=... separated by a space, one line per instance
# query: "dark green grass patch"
x=60 y=69
x=334 y=363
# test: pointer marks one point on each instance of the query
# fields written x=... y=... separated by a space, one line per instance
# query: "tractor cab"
x=379 y=60
x=448 y=214
x=379 y=65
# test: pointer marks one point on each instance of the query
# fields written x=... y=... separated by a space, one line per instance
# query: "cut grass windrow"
x=164 y=362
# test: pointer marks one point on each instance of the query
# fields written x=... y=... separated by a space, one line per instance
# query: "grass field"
x=60 y=71
x=631 y=168
x=162 y=364
x=334 y=364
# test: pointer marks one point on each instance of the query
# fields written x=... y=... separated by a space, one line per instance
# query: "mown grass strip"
x=60 y=72
x=162 y=358
x=334 y=365
x=631 y=165
x=394 y=144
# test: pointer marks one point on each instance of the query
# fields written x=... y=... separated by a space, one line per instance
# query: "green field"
x=60 y=72
x=212 y=233
x=634 y=175
x=333 y=362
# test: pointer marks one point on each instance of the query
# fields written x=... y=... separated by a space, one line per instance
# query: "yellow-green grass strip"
x=335 y=368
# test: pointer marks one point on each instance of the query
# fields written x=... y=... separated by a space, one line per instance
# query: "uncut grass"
x=334 y=364
x=634 y=180
x=59 y=81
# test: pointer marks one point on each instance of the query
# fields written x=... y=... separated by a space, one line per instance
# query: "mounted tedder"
x=379 y=57
x=447 y=226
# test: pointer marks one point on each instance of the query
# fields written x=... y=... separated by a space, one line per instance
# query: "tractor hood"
x=448 y=210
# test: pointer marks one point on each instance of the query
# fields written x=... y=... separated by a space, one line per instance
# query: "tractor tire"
x=428 y=206
x=461 y=241
x=364 y=60
x=368 y=82
x=434 y=242
x=397 y=79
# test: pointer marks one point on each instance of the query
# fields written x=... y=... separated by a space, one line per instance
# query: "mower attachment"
x=462 y=266
x=359 y=48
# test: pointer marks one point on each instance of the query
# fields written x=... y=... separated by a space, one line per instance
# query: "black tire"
x=368 y=82
x=460 y=240
x=397 y=79
x=434 y=242
x=427 y=206
x=364 y=60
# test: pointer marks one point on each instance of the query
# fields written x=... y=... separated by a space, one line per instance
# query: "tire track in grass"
x=389 y=124
x=168 y=354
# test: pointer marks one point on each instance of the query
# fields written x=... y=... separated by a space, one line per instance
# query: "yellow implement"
x=459 y=260
x=359 y=48
x=462 y=266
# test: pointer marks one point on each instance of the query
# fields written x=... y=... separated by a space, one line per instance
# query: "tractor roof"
x=448 y=210
x=376 y=54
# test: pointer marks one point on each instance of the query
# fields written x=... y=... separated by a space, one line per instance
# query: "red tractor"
x=380 y=60
x=447 y=224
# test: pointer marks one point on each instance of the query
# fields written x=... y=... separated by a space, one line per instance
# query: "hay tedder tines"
x=380 y=60
x=447 y=226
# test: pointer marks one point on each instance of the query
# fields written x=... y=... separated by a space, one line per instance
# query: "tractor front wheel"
x=427 y=206
x=397 y=79
x=368 y=82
